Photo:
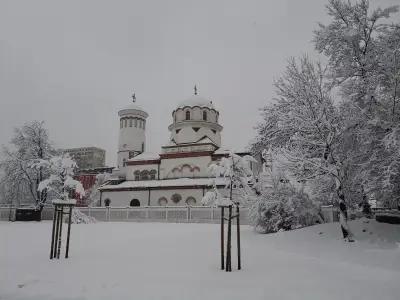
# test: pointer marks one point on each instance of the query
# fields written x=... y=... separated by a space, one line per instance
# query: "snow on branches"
x=235 y=171
x=60 y=182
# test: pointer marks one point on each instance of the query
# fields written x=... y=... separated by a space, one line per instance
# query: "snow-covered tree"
x=60 y=183
x=93 y=194
x=235 y=171
x=364 y=63
x=280 y=204
x=20 y=181
x=304 y=124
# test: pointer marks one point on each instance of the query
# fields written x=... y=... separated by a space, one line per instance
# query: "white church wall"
x=201 y=162
x=196 y=113
x=123 y=198
x=184 y=194
x=130 y=170
x=188 y=135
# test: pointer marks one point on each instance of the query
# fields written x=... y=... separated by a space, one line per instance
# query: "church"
x=179 y=174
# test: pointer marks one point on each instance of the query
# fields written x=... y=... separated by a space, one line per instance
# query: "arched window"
x=190 y=201
x=162 y=201
x=121 y=123
x=137 y=175
x=130 y=122
x=152 y=174
x=142 y=147
x=144 y=175
x=187 y=114
x=135 y=122
x=107 y=202
x=134 y=202
x=124 y=162
x=176 y=198
x=125 y=123
x=204 y=115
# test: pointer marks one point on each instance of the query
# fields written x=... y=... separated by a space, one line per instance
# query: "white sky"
x=73 y=64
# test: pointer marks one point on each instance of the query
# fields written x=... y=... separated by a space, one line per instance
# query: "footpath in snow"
x=181 y=261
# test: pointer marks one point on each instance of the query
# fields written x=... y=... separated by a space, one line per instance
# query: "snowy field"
x=181 y=261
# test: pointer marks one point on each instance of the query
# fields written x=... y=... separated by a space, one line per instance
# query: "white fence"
x=178 y=214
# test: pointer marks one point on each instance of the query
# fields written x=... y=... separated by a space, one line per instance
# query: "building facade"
x=87 y=157
x=179 y=174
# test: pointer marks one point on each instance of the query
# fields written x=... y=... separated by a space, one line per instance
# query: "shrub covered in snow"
x=79 y=217
x=283 y=208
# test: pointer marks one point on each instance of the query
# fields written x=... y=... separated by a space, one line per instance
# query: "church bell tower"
x=132 y=132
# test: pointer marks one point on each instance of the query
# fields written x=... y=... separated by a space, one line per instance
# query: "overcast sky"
x=74 y=64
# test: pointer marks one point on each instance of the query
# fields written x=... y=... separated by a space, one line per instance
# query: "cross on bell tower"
x=134 y=97
x=195 y=89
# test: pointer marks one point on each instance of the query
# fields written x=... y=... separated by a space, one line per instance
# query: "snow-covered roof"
x=165 y=183
x=145 y=156
x=196 y=100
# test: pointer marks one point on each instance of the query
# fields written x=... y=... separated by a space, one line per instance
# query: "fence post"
x=147 y=212
x=127 y=213
x=212 y=212
x=166 y=212
x=188 y=213
x=108 y=214
x=89 y=211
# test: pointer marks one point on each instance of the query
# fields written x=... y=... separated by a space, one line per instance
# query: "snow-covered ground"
x=181 y=261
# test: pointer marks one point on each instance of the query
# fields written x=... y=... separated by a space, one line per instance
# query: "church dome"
x=196 y=100
x=133 y=106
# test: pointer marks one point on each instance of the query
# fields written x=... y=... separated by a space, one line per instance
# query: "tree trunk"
x=343 y=217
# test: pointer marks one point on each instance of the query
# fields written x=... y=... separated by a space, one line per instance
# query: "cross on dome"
x=134 y=97
x=195 y=89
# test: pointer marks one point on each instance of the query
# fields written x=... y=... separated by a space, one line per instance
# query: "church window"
x=190 y=201
x=144 y=175
x=135 y=122
x=144 y=124
x=152 y=174
x=120 y=123
x=162 y=201
x=134 y=202
x=137 y=175
x=130 y=122
x=124 y=162
x=107 y=202
x=204 y=115
x=196 y=129
x=125 y=123
x=142 y=147
x=177 y=131
x=176 y=198
x=187 y=115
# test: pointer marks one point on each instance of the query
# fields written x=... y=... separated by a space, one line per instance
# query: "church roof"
x=145 y=156
x=133 y=106
x=196 y=100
